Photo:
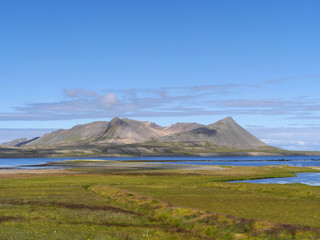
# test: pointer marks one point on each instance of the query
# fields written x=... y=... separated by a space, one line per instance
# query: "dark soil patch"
x=67 y=205
x=7 y=218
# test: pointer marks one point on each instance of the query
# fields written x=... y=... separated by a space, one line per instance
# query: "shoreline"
x=149 y=163
x=14 y=152
x=96 y=164
x=4 y=172
x=120 y=165
x=234 y=154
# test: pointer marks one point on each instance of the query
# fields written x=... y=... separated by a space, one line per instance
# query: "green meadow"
x=97 y=203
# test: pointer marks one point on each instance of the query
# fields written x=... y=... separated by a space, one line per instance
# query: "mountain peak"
x=227 y=119
x=118 y=122
x=225 y=132
x=226 y=122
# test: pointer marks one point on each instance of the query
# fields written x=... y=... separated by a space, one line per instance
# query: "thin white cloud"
x=216 y=99
x=307 y=138
x=109 y=100
x=79 y=93
x=278 y=80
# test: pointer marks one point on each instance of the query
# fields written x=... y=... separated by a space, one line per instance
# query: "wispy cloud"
x=306 y=138
x=165 y=102
x=278 y=80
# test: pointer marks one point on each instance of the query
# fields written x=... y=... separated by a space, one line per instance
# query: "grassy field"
x=158 y=204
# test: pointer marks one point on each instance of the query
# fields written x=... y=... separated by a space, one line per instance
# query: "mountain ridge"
x=225 y=132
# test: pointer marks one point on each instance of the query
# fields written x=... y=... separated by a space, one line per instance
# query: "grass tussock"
x=203 y=223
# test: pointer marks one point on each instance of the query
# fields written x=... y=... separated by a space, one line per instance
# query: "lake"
x=298 y=161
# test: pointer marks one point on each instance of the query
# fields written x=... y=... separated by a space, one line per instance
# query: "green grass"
x=289 y=204
x=61 y=207
x=158 y=205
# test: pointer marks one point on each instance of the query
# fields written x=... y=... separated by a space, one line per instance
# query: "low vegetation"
x=158 y=204
x=151 y=148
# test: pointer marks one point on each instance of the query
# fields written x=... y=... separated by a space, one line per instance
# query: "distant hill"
x=118 y=131
x=79 y=134
x=225 y=132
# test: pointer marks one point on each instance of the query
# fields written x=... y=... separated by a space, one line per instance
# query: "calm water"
x=299 y=161
x=312 y=179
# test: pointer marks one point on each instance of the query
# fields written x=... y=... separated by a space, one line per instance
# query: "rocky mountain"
x=225 y=132
x=79 y=134
x=19 y=142
x=129 y=131
x=121 y=131
x=181 y=127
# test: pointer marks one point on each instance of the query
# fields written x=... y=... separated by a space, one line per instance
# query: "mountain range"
x=127 y=137
x=225 y=132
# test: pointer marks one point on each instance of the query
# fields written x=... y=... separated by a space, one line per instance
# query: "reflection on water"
x=312 y=179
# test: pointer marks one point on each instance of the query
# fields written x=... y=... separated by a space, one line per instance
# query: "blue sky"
x=64 y=63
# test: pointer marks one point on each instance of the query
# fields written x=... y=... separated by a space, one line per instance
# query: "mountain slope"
x=78 y=134
x=129 y=131
x=181 y=127
x=19 y=142
x=225 y=132
x=231 y=133
x=121 y=131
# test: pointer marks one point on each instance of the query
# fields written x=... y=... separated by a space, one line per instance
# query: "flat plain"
x=87 y=202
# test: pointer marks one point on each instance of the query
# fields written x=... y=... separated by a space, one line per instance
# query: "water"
x=298 y=161
x=312 y=179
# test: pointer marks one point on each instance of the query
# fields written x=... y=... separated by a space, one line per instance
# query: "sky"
x=68 y=62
